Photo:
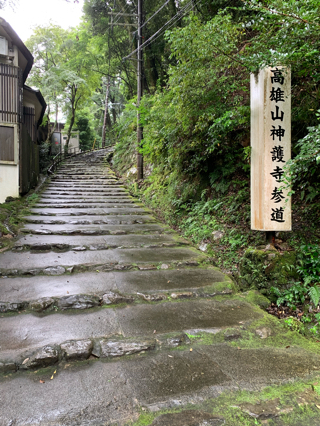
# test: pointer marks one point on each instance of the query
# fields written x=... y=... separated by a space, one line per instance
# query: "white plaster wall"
x=73 y=142
x=9 y=171
x=9 y=181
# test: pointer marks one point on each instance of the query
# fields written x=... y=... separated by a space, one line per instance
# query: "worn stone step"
x=95 y=242
x=167 y=380
x=80 y=208
x=67 y=199
x=28 y=332
x=56 y=264
x=91 y=208
x=97 y=185
x=120 y=229
x=26 y=289
x=83 y=178
x=70 y=210
x=77 y=187
x=88 y=219
x=81 y=191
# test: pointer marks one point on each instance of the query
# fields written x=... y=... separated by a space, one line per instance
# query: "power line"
x=171 y=21
x=177 y=16
x=160 y=8
x=190 y=6
x=119 y=14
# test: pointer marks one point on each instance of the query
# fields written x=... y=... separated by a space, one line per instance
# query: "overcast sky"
x=30 y=13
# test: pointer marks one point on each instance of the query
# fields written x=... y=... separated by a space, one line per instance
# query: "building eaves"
x=40 y=98
x=20 y=45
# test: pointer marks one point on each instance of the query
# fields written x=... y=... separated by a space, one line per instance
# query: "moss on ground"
x=12 y=216
x=290 y=404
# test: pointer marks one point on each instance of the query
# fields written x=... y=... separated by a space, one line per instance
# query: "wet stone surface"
x=41 y=305
x=80 y=349
x=48 y=355
x=111 y=348
x=106 y=311
x=12 y=307
x=78 y=302
x=111 y=298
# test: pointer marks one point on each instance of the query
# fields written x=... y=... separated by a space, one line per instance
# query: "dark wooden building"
x=21 y=112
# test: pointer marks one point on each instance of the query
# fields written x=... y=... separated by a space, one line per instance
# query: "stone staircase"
x=107 y=313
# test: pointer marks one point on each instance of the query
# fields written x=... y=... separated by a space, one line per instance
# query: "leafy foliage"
x=86 y=135
x=309 y=263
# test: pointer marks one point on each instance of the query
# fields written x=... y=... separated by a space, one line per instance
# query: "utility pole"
x=104 y=128
x=140 y=92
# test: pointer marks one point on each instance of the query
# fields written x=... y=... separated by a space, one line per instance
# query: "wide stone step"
x=154 y=281
x=67 y=199
x=71 y=210
x=87 y=188
x=95 y=242
x=74 y=185
x=120 y=229
x=83 y=192
x=105 y=180
x=76 y=219
x=56 y=264
x=166 y=380
x=83 y=178
x=79 y=208
x=22 y=334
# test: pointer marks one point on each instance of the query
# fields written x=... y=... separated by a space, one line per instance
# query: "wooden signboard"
x=270 y=95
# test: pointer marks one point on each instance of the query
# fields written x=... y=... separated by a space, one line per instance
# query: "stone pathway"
x=107 y=313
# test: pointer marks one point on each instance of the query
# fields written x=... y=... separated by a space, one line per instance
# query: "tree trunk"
x=74 y=102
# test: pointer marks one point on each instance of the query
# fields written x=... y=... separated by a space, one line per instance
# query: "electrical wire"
x=174 y=22
x=178 y=16
x=119 y=14
x=171 y=21
x=160 y=8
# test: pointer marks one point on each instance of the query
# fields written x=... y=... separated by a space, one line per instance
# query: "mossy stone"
x=253 y=296
x=262 y=269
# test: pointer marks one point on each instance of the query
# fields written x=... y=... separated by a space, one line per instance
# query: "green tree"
x=63 y=70
x=85 y=133
x=44 y=45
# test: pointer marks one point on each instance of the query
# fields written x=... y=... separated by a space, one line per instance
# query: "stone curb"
x=84 y=301
x=95 y=231
x=99 y=348
x=106 y=267
x=56 y=247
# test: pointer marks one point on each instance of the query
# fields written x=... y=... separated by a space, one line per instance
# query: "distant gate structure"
x=21 y=112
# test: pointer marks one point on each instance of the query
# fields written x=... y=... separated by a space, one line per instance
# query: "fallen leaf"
x=41 y=381
x=190 y=349
x=170 y=356
x=25 y=361
x=168 y=281
x=52 y=377
x=287 y=347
